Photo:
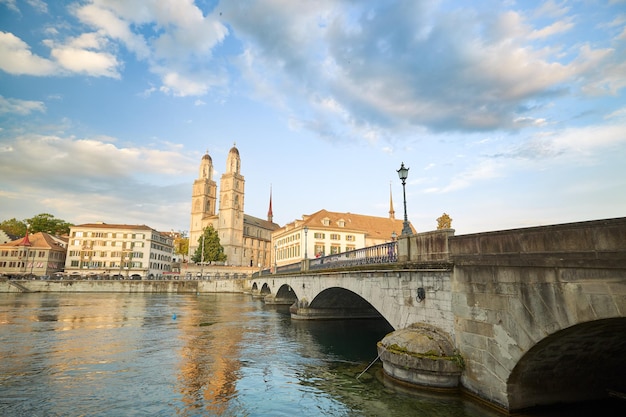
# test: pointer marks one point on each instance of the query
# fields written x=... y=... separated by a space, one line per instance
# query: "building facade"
x=117 y=251
x=36 y=255
x=326 y=233
x=246 y=239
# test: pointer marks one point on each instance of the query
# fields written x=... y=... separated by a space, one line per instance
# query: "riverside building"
x=246 y=239
x=326 y=233
x=118 y=251
x=36 y=255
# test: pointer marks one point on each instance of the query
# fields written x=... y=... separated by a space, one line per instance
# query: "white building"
x=326 y=233
x=118 y=251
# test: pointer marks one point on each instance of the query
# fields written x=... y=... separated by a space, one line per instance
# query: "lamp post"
x=275 y=258
x=403 y=173
x=306 y=231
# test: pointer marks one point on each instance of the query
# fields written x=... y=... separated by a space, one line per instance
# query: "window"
x=334 y=249
x=319 y=235
x=341 y=223
x=350 y=238
x=335 y=236
x=319 y=250
x=326 y=221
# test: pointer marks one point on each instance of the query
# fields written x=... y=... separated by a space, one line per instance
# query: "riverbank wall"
x=130 y=286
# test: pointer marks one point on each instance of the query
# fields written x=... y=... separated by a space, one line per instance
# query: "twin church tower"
x=246 y=239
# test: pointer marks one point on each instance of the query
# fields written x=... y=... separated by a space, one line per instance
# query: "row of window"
x=334 y=236
x=104 y=264
x=24 y=253
x=117 y=235
x=91 y=243
x=103 y=254
x=287 y=240
x=117 y=265
x=319 y=250
x=317 y=235
x=21 y=264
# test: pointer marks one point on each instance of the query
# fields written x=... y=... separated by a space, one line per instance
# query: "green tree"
x=45 y=222
x=14 y=227
x=181 y=245
x=213 y=250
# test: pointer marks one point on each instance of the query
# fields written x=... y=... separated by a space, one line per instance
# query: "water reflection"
x=206 y=355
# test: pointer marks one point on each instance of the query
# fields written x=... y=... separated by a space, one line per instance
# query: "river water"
x=194 y=355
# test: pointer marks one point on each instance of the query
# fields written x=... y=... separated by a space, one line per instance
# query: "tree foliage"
x=213 y=250
x=43 y=222
x=14 y=227
x=181 y=245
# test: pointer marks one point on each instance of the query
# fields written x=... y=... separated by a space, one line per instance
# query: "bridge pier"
x=280 y=301
x=302 y=311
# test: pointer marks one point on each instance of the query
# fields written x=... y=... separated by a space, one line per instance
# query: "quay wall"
x=131 y=286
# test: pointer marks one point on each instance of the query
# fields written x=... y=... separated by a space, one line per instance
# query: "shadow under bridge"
x=330 y=303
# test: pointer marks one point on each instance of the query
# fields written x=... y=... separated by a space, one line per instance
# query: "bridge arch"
x=338 y=302
x=582 y=362
x=285 y=295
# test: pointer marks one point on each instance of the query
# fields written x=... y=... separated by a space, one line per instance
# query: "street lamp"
x=306 y=231
x=403 y=173
x=275 y=258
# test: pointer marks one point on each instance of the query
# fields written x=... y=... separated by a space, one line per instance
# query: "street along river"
x=108 y=354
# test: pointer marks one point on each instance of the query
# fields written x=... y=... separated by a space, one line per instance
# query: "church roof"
x=263 y=224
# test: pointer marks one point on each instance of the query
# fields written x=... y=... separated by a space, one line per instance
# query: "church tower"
x=231 y=214
x=203 y=201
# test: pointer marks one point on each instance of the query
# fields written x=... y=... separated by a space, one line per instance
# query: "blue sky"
x=509 y=114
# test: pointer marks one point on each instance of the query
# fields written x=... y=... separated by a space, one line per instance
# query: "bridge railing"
x=379 y=254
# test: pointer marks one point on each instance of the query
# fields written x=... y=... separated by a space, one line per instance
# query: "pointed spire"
x=270 y=214
x=392 y=213
x=26 y=241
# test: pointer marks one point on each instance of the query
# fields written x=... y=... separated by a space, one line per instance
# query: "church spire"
x=270 y=214
x=392 y=213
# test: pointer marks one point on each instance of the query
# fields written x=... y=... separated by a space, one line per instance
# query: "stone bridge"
x=538 y=314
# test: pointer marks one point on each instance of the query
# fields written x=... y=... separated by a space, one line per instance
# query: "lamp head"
x=403 y=172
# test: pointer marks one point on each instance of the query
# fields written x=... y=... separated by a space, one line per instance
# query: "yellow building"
x=246 y=239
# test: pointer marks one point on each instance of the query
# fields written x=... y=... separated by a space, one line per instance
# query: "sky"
x=508 y=113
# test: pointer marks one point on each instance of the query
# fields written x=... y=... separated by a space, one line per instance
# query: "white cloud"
x=16 y=58
x=21 y=107
x=174 y=37
x=86 y=54
x=555 y=28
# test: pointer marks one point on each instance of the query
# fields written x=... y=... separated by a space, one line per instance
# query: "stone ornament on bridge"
x=444 y=222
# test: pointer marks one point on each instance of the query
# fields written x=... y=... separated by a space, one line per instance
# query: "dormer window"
x=341 y=223
x=326 y=221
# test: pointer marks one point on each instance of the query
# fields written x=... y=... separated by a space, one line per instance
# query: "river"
x=95 y=354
